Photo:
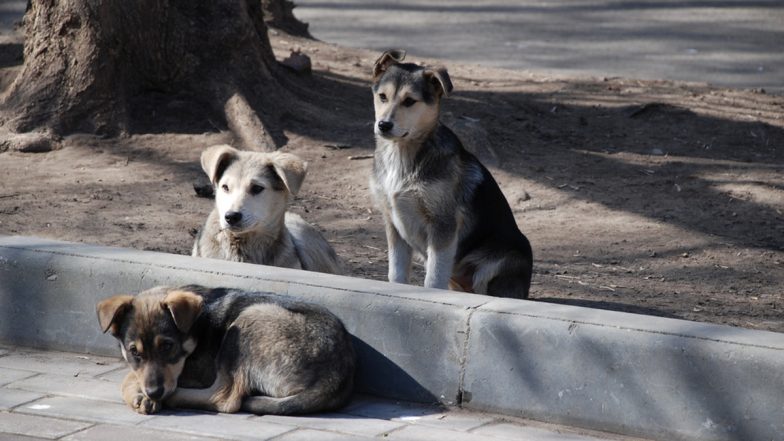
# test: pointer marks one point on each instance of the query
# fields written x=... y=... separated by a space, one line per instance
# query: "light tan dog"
x=250 y=222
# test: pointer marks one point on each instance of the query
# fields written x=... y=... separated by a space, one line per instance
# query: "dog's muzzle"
x=385 y=129
x=233 y=218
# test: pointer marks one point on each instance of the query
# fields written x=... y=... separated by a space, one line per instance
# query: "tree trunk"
x=118 y=66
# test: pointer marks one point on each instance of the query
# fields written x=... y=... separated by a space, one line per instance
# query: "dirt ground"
x=650 y=197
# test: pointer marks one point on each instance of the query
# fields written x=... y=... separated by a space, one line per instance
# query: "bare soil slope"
x=642 y=196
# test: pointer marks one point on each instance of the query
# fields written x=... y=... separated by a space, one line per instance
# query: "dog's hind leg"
x=511 y=286
x=311 y=400
x=225 y=395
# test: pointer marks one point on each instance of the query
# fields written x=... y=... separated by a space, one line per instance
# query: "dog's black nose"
x=233 y=217
x=385 y=126
x=154 y=393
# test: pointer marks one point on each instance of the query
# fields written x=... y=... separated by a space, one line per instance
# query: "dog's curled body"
x=243 y=351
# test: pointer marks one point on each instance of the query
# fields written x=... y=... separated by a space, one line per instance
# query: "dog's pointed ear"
x=388 y=58
x=112 y=310
x=291 y=169
x=439 y=79
x=216 y=159
x=184 y=306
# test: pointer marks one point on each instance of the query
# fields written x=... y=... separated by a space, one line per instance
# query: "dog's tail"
x=311 y=400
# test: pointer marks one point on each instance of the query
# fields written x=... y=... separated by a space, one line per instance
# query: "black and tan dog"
x=226 y=350
x=439 y=202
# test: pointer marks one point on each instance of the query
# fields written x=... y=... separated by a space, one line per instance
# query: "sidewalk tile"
x=88 y=388
x=515 y=432
x=11 y=375
x=317 y=435
x=387 y=410
x=356 y=425
x=105 y=432
x=221 y=426
x=36 y=426
x=10 y=437
x=451 y=420
x=84 y=410
x=59 y=363
x=116 y=376
x=426 y=433
x=11 y=398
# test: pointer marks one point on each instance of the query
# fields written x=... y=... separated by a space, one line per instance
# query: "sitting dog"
x=225 y=350
x=250 y=222
x=438 y=201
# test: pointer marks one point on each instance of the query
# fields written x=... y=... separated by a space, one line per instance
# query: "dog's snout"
x=385 y=126
x=154 y=392
x=233 y=217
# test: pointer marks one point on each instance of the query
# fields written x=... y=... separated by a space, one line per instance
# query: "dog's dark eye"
x=134 y=352
x=382 y=97
x=225 y=188
x=167 y=346
x=256 y=189
x=408 y=102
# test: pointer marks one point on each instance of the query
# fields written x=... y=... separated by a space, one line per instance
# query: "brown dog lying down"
x=226 y=350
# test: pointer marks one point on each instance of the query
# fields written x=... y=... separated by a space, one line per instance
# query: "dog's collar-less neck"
x=269 y=240
x=409 y=146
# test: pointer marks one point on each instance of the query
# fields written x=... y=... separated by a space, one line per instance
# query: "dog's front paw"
x=144 y=405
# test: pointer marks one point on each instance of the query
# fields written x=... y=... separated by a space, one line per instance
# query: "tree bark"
x=117 y=66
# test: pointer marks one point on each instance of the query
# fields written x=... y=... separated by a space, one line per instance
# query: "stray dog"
x=250 y=222
x=226 y=350
x=439 y=202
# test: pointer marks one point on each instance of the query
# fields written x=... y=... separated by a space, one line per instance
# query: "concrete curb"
x=631 y=374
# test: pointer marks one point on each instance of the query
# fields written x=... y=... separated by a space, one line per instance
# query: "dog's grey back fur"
x=297 y=356
x=315 y=253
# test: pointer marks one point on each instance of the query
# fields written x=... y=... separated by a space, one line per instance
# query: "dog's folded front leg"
x=134 y=397
x=400 y=255
x=440 y=261
x=184 y=398
x=223 y=396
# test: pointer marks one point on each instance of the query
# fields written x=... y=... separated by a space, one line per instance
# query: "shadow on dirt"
x=614 y=143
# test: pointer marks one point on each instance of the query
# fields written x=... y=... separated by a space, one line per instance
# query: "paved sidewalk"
x=60 y=395
x=734 y=43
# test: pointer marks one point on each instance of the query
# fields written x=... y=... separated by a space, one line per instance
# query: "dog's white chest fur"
x=397 y=191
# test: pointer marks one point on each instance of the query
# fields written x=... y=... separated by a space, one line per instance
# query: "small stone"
x=298 y=62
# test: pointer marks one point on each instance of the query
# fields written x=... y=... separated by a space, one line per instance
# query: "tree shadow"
x=652 y=159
